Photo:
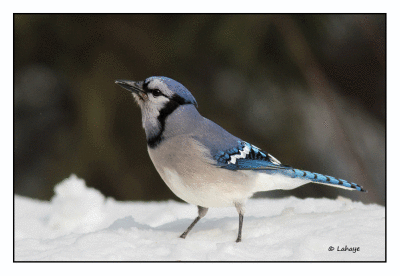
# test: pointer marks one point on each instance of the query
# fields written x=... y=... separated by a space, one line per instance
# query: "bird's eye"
x=156 y=93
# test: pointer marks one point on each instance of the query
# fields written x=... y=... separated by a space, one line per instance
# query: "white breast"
x=192 y=177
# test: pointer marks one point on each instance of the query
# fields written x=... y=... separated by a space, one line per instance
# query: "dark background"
x=309 y=89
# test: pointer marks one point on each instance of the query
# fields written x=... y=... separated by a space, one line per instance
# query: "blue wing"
x=245 y=156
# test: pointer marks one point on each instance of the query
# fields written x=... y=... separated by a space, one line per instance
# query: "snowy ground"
x=79 y=224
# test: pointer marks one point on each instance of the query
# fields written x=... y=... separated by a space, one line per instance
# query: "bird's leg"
x=202 y=213
x=240 y=209
x=239 y=237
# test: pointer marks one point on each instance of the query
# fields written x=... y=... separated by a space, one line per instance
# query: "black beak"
x=134 y=87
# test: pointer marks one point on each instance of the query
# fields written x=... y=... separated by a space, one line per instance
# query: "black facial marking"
x=156 y=93
x=328 y=179
x=304 y=174
x=146 y=87
x=179 y=100
x=170 y=107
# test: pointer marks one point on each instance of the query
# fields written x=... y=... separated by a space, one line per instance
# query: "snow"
x=80 y=224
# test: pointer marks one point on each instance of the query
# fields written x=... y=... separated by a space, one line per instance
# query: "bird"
x=202 y=163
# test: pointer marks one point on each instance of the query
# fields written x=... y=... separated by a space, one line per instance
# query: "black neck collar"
x=167 y=110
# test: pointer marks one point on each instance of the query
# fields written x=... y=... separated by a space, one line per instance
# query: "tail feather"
x=323 y=179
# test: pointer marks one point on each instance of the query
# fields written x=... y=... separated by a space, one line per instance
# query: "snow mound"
x=75 y=206
x=79 y=224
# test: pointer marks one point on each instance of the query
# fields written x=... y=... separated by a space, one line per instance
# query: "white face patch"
x=150 y=110
x=160 y=85
x=151 y=106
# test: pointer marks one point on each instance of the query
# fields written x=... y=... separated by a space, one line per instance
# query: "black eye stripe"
x=145 y=87
x=156 y=92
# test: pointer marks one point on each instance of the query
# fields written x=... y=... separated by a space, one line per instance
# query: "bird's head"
x=158 y=97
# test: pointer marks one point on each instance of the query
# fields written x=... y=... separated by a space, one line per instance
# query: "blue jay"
x=201 y=162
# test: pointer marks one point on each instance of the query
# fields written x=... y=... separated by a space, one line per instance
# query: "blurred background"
x=309 y=89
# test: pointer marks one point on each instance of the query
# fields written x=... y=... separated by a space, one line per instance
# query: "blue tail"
x=322 y=179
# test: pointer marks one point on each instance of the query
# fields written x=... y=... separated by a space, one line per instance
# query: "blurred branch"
x=319 y=85
x=376 y=42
